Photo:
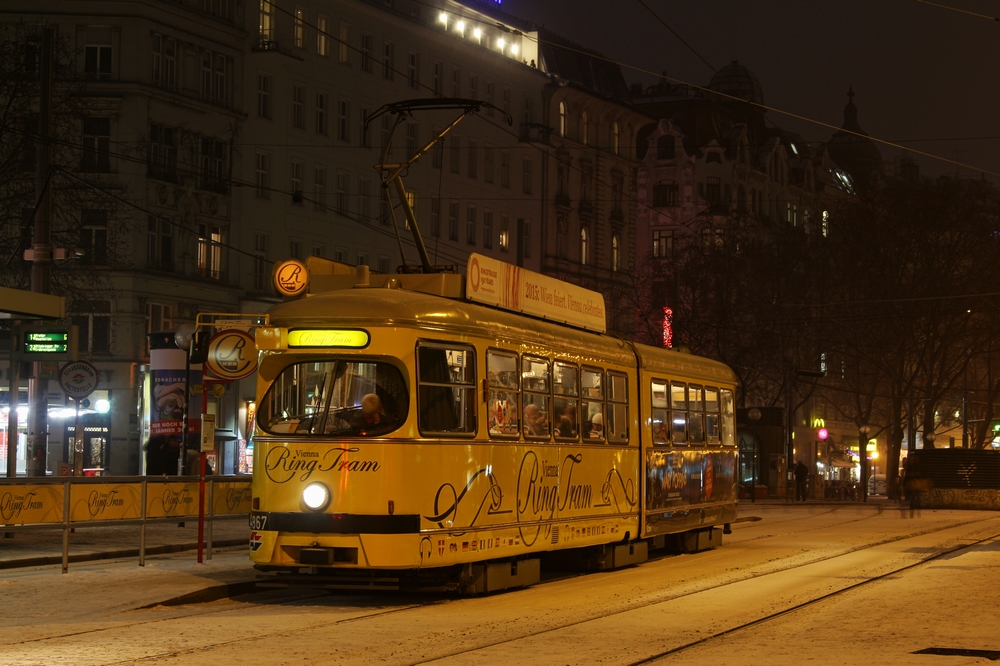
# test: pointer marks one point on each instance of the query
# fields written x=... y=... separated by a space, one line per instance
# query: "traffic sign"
x=78 y=379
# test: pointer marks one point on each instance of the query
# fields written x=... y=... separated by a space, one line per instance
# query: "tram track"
x=811 y=602
x=731 y=577
x=740 y=579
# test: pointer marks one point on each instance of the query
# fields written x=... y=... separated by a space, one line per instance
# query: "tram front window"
x=335 y=399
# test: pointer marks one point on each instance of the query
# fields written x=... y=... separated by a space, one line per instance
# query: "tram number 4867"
x=257 y=522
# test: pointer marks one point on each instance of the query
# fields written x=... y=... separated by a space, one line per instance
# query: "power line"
x=960 y=11
x=675 y=34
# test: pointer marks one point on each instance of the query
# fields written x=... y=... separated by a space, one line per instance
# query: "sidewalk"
x=43 y=547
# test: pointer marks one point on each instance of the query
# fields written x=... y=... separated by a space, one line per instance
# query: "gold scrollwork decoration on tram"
x=493 y=495
x=614 y=484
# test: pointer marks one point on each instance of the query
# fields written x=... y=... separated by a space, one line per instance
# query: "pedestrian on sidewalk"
x=801 y=476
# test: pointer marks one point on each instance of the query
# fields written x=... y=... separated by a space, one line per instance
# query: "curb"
x=43 y=560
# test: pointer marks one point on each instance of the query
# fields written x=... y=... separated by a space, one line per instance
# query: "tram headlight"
x=316 y=496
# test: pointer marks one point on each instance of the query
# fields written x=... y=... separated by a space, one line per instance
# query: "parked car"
x=876 y=484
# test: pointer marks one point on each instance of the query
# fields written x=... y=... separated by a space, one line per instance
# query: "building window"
x=562 y=119
x=504 y=232
x=456 y=154
x=584 y=129
x=526 y=175
x=261 y=269
x=343 y=52
x=473 y=165
x=159 y=317
x=298 y=107
x=96 y=145
x=212 y=171
x=489 y=98
x=321 y=113
x=221 y=8
x=343 y=120
x=386 y=130
x=210 y=242
x=615 y=139
x=299 y=32
x=663 y=244
x=322 y=39
x=526 y=239
x=713 y=191
x=528 y=111
x=505 y=100
x=713 y=156
x=294 y=249
x=438 y=77
x=296 y=177
x=164 y=62
x=456 y=83
x=616 y=251
x=825 y=223
x=162 y=153
x=94 y=323
x=473 y=87
x=263 y=96
x=711 y=237
x=586 y=183
x=366 y=131
x=266 y=24
x=616 y=196
x=504 y=168
x=436 y=217
x=488 y=229
x=412 y=135
x=97 y=52
x=665 y=193
x=362 y=259
x=319 y=189
x=413 y=69
x=387 y=61
x=471 y=214
x=366 y=52
x=383 y=264
x=488 y=164
x=342 y=187
x=562 y=184
x=159 y=244
x=94 y=236
x=214 y=86
x=584 y=247
x=263 y=189
x=453 y=220
x=665 y=147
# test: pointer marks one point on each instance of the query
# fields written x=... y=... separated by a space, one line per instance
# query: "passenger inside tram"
x=535 y=422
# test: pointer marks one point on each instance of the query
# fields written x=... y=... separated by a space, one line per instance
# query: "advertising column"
x=169 y=396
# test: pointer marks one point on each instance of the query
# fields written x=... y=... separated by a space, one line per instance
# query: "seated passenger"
x=567 y=422
x=597 y=427
x=535 y=423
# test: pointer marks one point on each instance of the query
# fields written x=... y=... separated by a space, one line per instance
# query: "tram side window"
x=565 y=401
x=446 y=397
x=696 y=415
x=537 y=401
x=592 y=381
x=658 y=412
x=617 y=407
x=711 y=415
x=504 y=389
x=336 y=397
x=728 y=430
x=678 y=413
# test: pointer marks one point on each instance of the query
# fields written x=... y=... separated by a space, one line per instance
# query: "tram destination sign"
x=513 y=288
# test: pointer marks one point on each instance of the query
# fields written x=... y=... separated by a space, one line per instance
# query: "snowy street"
x=847 y=584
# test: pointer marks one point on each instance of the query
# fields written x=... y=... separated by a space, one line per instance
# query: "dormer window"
x=665 y=147
x=713 y=157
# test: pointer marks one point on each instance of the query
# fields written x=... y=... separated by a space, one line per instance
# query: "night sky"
x=919 y=72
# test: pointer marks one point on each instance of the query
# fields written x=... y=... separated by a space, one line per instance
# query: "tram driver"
x=372 y=414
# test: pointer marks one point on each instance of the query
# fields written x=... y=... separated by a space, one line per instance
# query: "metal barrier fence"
x=68 y=502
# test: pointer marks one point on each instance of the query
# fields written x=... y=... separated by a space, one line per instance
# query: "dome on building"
x=736 y=80
x=852 y=150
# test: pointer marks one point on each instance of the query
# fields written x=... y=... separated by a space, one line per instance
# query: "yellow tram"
x=407 y=434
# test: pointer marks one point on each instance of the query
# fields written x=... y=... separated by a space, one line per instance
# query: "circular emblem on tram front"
x=231 y=355
x=474 y=273
x=291 y=277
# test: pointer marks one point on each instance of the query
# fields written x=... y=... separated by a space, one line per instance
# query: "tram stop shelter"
x=21 y=304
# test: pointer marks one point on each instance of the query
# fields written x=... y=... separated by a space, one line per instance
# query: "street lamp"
x=863 y=458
